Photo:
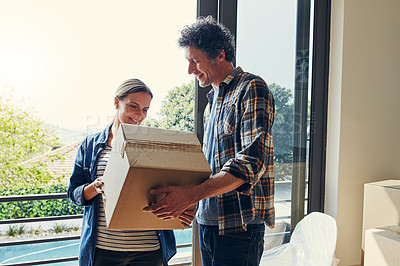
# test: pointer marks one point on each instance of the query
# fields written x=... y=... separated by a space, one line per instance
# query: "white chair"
x=312 y=243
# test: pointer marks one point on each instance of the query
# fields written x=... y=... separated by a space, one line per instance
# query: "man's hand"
x=176 y=201
x=187 y=217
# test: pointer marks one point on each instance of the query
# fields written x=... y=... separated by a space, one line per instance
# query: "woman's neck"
x=112 y=133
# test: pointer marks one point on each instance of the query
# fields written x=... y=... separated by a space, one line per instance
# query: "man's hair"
x=210 y=37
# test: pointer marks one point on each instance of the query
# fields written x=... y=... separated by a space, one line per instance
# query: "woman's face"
x=133 y=108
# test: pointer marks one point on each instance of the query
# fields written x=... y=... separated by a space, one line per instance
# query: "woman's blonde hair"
x=132 y=86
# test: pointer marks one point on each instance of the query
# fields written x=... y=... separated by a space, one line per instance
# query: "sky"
x=67 y=57
x=266 y=39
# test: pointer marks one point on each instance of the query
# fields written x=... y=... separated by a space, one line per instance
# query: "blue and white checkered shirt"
x=244 y=118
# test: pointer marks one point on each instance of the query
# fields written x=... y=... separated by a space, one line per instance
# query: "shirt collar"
x=104 y=134
x=236 y=72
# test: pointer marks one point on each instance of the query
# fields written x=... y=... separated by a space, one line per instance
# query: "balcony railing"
x=55 y=196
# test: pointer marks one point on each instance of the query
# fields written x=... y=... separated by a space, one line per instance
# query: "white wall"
x=363 y=113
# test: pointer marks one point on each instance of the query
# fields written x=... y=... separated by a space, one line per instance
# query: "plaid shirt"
x=244 y=117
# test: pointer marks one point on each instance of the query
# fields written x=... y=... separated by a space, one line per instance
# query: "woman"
x=100 y=246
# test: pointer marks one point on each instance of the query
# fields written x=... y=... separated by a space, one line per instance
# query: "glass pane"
x=266 y=46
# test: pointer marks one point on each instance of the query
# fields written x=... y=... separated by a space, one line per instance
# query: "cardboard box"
x=381 y=205
x=143 y=158
x=382 y=246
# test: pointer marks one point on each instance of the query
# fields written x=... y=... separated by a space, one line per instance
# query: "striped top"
x=121 y=240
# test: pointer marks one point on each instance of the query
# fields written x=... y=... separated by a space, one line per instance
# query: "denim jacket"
x=83 y=174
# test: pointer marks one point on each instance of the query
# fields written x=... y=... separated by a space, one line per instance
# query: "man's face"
x=203 y=68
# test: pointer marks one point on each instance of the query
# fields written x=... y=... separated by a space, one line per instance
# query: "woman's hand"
x=98 y=185
x=93 y=189
x=187 y=217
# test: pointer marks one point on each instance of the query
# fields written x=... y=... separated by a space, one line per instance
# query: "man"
x=237 y=200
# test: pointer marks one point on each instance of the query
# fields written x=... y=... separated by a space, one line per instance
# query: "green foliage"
x=60 y=228
x=177 y=110
x=12 y=231
x=36 y=231
x=282 y=131
x=22 y=136
x=37 y=208
x=20 y=230
x=74 y=228
x=16 y=230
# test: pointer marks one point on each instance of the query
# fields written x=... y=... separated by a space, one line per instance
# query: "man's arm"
x=178 y=199
x=246 y=168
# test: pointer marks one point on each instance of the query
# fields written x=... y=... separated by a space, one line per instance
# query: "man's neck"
x=225 y=69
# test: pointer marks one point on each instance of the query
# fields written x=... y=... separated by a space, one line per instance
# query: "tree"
x=22 y=136
x=177 y=110
x=282 y=129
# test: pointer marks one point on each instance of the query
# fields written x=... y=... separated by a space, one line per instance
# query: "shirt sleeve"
x=79 y=179
x=255 y=154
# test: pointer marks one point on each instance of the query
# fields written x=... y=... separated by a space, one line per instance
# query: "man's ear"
x=221 y=56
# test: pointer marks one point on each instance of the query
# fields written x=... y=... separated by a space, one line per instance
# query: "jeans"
x=127 y=258
x=241 y=249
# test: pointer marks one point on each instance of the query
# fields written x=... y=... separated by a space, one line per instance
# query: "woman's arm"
x=80 y=178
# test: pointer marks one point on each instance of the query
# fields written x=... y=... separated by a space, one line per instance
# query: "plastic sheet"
x=312 y=243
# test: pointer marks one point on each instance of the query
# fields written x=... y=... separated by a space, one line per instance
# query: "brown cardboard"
x=382 y=246
x=143 y=158
x=381 y=205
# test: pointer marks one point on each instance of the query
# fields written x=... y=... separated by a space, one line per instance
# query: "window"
x=287 y=46
x=266 y=46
